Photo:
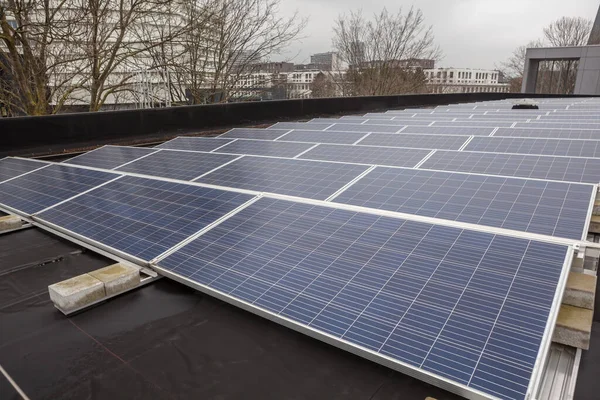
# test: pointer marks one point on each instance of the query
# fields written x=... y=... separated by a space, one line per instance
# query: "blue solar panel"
x=379 y=125
x=463 y=122
x=548 y=208
x=549 y=133
x=371 y=155
x=143 y=217
x=12 y=167
x=549 y=147
x=526 y=166
x=368 y=127
x=311 y=179
x=253 y=133
x=556 y=125
x=314 y=126
x=300 y=125
x=322 y=137
x=181 y=165
x=265 y=148
x=109 y=157
x=416 y=141
x=453 y=303
x=46 y=187
x=445 y=130
x=194 y=143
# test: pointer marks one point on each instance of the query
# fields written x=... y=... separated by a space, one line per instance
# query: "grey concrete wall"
x=588 y=72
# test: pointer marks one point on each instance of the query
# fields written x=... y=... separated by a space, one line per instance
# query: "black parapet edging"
x=43 y=135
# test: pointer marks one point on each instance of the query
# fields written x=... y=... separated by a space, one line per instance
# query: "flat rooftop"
x=169 y=340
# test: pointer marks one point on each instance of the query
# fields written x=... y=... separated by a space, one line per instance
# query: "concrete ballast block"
x=117 y=278
x=8 y=222
x=580 y=291
x=573 y=327
x=76 y=292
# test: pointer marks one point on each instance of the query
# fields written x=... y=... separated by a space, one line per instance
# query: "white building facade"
x=464 y=80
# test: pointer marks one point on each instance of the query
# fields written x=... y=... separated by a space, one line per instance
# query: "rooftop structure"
x=583 y=62
x=411 y=238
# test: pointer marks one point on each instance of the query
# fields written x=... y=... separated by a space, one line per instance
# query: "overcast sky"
x=471 y=33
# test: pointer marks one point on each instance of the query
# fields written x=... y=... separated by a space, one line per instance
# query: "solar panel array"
x=409 y=237
x=12 y=167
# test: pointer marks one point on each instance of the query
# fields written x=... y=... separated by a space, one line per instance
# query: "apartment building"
x=464 y=80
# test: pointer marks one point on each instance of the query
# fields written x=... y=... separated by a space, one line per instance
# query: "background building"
x=464 y=80
x=326 y=61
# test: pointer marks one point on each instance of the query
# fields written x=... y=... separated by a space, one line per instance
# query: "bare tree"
x=119 y=35
x=39 y=55
x=323 y=86
x=568 y=31
x=513 y=68
x=377 y=50
x=183 y=49
x=244 y=33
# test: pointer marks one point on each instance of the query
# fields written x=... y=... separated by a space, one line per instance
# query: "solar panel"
x=548 y=208
x=310 y=179
x=551 y=147
x=183 y=165
x=446 y=130
x=313 y=126
x=436 y=301
x=556 y=125
x=505 y=124
x=366 y=155
x=109 y=157
x=300 y=125
x=323 y=137
x=527 y=166
x=48 y=186
x=416 y=141
x=367 y=127
x=194 y=143
x=253 y=133
x=143 y=217
x=265 y=148
x=13 y=167
x=549 y=133
x=393 y=122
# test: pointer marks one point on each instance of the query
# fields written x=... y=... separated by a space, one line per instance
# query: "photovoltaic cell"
x=109 y=157
x=550 y=147
x=396 y=157
x=370 y=127
x=314 y=126
x=12 y=167
x=526 y=166
x=322 y=137
x=181 y=165
x=254 y=133
x=453 y=303
x=416 y=141
x=299 y=125
x=194 y=143
x=446 y=130
x=548 y=208
x=390 y=123
x=310 y=179
x=143 y=217
x=556 y=125
x=549 y=133
x=505 y=124
x=265 y=148
x=46 y=187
